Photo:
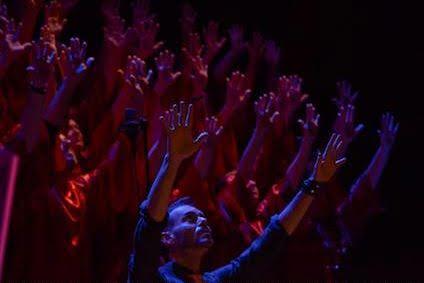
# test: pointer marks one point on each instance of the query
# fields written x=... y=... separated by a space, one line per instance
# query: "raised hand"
x=193 y=46
x=135 y=76
x=199 y=75
x=345 y=124
x=237 y=41
x=237 y=91
x=3 y=10
x=345 y=95
x=266 y=113
x=177 y=123
x=115 y=34
x=271 y=54
x=46 y=34
x=310 y=125
x=214 y=42
x=141 y=10
x=166 y=76
x=10 y=47
x=72 y=60
x=256 y=47
x=328 y=162
x=388 y=131
x=41 y=68
x=54 y=17
x=213 y=129
x=68 y=5
x=147 y=31
x=188 y=20
x=290 y=96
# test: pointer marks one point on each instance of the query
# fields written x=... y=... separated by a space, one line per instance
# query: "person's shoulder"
x=166 y=274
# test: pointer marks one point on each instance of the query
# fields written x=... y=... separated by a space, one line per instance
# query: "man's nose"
x=202 y=221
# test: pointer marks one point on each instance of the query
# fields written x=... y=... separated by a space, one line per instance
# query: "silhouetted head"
x=187 y=230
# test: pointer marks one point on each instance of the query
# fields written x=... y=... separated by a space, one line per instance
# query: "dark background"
x=377 y=46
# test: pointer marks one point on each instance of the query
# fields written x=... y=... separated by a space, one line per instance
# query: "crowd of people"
x=211 y=122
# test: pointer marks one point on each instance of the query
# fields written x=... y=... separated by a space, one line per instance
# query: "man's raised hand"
x=177 y=122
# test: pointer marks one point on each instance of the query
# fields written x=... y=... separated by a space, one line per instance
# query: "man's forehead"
x=184 y=209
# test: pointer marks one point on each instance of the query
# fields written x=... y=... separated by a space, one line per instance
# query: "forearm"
x=223 y=68
x=247 y=162
x=299 y=163
x=31 y=119
x=225 y=116
x=29 y=20
x=159 y=195
x=377 y=165
x=252 y=66
x=110 y=63
x=59 y=105
x=291 y=216
x=204 y=161
x=363 y=190
x=119 y=106
x=270 y=78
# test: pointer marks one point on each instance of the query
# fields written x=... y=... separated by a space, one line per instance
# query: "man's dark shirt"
x=144 y=265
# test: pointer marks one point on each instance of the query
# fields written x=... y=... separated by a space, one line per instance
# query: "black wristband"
x=38 y=90
x=310 y=187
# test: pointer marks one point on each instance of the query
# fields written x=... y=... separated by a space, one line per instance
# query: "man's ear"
x=168 y=239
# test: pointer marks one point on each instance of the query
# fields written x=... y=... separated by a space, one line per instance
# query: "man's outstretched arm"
x=144 y=261
x=177 y=123
x=264 y=250
x=325 y=167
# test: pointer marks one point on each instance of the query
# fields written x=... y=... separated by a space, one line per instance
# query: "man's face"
x=189 y=228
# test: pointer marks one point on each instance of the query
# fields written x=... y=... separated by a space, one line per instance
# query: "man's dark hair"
x=179 y=202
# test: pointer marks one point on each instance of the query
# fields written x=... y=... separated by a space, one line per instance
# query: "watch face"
x=8 y=172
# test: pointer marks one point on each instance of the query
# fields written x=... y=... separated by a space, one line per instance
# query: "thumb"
x=318 y=160
x=359 y=128
x=27 y=47
x=89 y=62
x=202 y=137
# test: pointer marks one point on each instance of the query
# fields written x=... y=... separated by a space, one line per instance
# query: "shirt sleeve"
x=256 y=258
x=145 y=258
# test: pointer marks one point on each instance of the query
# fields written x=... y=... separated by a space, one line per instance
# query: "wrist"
x=225 y=114
x=70 y=79
x=172 y=161
x=308 y=141
x=385 y=147
x=310 y=186
x=260 y=131
x=40 y=90
x=159 y=88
